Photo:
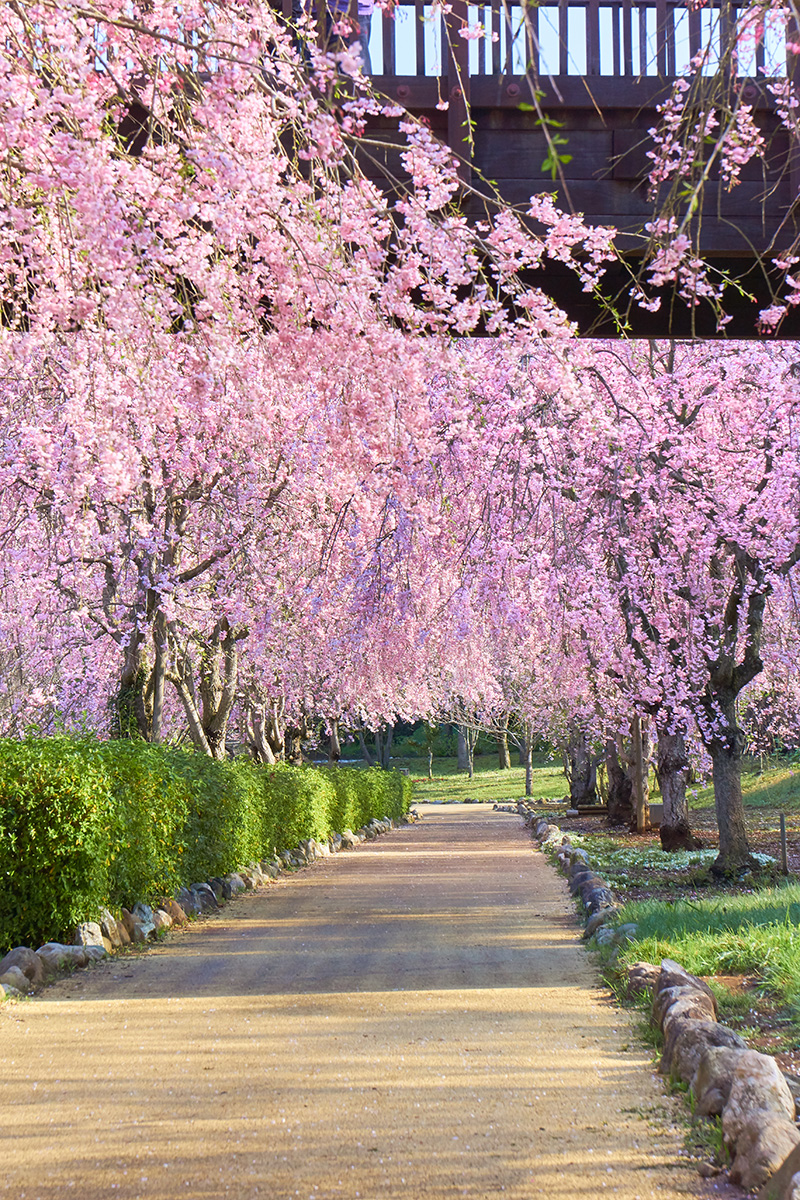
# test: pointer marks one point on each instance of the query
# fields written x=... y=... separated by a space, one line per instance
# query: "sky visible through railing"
x=644 y=48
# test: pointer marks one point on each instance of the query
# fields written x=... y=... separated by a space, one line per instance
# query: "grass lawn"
x=489 y=783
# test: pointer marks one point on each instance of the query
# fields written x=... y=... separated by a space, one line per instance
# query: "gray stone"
x=598 y=898
x=89 y=933
x=55 y=957
x=783 y=1185
x=641 y=975
x=188 y=902
x=686 y=1043
x=694 y=1001
x=236 y=883
x=108 y=927
x=14 y=978
x=349 y=840
x=625 y=934
x=175 y=911
x=672 y=974
x=711 y=1085
x=602 y=917
x=162 y=920
x=604 y=936
x=95 y=953
x=221 y=888
x=763 y=1144
x=144 y=912
x=248 y=879
x=205 y=896
x=138 y=929
x=28 y=962
x=7 y=992
x=757 y=1083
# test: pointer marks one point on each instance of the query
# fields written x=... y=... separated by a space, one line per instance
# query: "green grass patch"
x=752 y=933
x=489 y=783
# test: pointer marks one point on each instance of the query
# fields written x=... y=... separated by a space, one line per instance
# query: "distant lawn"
x=489 y=782
x=777 y=787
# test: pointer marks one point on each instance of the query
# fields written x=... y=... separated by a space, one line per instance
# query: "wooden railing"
x=621 y=38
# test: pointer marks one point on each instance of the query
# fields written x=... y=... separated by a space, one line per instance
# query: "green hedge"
x=85 y=823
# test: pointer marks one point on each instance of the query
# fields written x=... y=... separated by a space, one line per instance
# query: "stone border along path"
x=758 y=1105
x=414 y=1019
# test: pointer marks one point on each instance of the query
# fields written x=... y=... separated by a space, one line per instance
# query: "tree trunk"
x=620 y=786
x=580 y=768
x=292 y=744
x=726 y=756
x=384 y=736
x=640 y=754
x=132 y=711
x=527 y=750
x=671 y=768
x=334 y=746
x=365 y=753
x=503 y=754
x=257 y=734
x=462 y=761
x=430 y=762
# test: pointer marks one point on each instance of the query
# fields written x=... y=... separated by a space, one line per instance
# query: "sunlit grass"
x=776 y=787
x=489 y=783
x=752 y=933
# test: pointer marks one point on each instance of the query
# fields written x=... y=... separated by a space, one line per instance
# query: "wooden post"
x=642 y=807
x=784 y=855
x=458 y=112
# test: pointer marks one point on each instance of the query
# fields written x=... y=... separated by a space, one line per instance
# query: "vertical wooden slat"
x=286 y=9
x=563 y=38
x=592 y=37
x=627 y=38
x=388 y=33
x=496 y=31
x=760 y=62
x=532 y=32
x=661 y=37
x=482 y=43
x=419 y=34
x=726 y=28
x=694 y=31
x=509 y=62
x=616 y=41
x=670 y=17
x=458 y=136
x=643 y=48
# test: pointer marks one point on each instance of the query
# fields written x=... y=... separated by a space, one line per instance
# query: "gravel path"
x=412 y=1019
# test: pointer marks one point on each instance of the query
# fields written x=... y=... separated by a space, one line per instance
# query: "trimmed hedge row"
x=85 y=823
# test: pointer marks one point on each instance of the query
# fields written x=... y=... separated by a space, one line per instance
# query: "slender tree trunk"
x=527 y=750
x=726 y=757
x=462 y=761
x=503 y=754
x=365 y=753
x=641 y=775
x=334 y=746
x=672 y=765
x=620 y=786
x=430 y=762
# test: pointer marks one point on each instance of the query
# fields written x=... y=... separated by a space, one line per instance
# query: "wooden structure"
x=599 y=71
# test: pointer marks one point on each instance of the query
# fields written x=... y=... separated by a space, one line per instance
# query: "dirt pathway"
x=413 y=1019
